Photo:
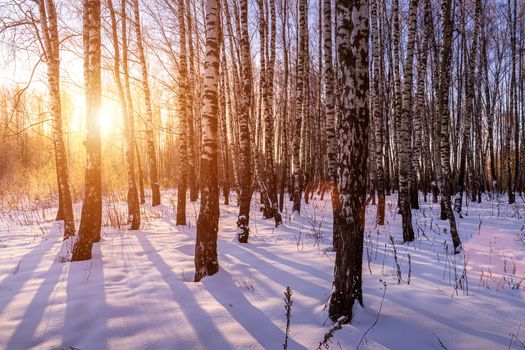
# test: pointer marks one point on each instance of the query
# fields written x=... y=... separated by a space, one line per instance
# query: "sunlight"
x=108 y=116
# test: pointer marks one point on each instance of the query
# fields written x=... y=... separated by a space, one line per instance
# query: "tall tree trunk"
x=300 y=111
x=352 y=52
x=271 y=184
x=132 y=197
x=224 y=103
x=488 y=111
x=150 y=139
x=244 y=130
x=398 y=107
x=49 y=27
x=284 y=116
x=91 y=217
x=468 y=113
x=405 y=142
x=378 y=119
x=444 y=115
x=514 y=117
x=183 y=119
x=191 y=110
x=206 y=263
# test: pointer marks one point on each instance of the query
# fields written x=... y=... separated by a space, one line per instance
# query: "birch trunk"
x=150 y=139
x=352 y=52
x=91 y=217
x=49 y=28
x=206 y=262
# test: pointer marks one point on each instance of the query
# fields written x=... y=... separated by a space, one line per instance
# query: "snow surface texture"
x=137 y=291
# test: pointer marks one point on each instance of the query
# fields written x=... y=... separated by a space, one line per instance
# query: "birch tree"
x=127 y=118
x=405 y=124
x=444 y=120
x=183 y=119
x=352 y=53
x=300 y=110
x=244 y=130
x=49 y=34
x=91 y=217
x=206 y=262
x=150 y=139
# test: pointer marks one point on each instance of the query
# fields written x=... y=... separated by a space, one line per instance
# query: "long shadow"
x=278 y=275
x=13 y=283
x=206 y=330
x=447 y=321
x=86 y=317
x=23 y=338
x=223 y=289
x=274 y=257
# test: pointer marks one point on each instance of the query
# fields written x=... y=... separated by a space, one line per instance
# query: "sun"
x=108 y=115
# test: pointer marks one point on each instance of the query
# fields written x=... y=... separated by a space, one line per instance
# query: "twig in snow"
x=329 y=335
x=395 y=259
x=288 y=307
x=409 y=268
x=440 y=342
x=514 y=337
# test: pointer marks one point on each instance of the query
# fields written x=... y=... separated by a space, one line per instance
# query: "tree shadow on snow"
x=86 y=316
x=222 y=287
x=205 y=329
x=24 y=272
x=23 y=337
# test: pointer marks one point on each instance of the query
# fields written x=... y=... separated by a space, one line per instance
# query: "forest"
x=264 y=174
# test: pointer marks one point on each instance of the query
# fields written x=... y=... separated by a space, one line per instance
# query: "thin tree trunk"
x=191 y=111
x=183 y=119
x=132 y=198
x=468 y=113
x=49 y=27
x=378 y=119
x=150 y=139
x=444 y=114
x=300 y=111
x=405 y=143
x=244 y=127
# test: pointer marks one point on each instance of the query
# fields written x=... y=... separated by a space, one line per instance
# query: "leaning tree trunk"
x=352 y=52
x=244 y=130
x=206 y=263
x=183 y=120
x=150 y=139
x=49 y=27
x=91 y=217
x=405 y=141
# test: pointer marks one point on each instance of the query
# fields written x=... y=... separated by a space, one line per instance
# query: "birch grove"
x=268 y=107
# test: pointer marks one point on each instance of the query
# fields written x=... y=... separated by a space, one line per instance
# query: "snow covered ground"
x=137 y=291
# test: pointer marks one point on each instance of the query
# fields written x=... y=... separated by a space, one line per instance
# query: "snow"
x=137 y=291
